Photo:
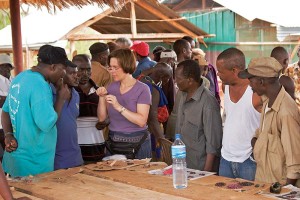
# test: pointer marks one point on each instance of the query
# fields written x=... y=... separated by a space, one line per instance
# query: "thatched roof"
x=60 y=4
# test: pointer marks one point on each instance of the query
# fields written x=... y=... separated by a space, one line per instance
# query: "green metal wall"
x=220 y=23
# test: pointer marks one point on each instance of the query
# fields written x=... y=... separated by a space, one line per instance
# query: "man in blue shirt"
x=28 y=115
x=141 y=51
x=68 y=153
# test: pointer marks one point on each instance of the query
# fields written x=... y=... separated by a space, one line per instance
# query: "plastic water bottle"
x=179 y=163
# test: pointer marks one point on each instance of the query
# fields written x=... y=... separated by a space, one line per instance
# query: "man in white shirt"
x=242 y=108
x=5 y=79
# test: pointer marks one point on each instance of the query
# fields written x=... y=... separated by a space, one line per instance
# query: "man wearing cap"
x=29 y=117
x=156 y=53
x=141 y=51
x=276 y=142
x=100 y=74
x=199 y=57
x=5 y=79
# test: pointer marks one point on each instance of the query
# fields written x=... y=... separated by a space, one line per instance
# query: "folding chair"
x=166 y=150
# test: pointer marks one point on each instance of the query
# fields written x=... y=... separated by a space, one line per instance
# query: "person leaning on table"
x=276 y=142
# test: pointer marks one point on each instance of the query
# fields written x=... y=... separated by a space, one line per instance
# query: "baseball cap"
x=158 y=49
x=168 y=54
x=5 y=59
x=141 y=48
x=98 y=47
x=263 y=67
x=49 y=54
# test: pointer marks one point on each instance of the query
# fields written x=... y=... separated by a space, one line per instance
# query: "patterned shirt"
x=293 y=72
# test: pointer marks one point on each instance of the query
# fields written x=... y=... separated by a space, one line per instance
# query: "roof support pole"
x=14 y=6
x=133 y=20
x=144 y=5
x=72 y=49
x=203 y=4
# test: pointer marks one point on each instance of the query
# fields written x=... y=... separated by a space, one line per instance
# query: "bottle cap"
x=177 y=136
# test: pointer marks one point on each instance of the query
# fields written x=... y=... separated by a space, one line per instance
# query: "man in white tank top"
x=242 y=109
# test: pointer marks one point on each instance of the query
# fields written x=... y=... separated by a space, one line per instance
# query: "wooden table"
x=83 y=183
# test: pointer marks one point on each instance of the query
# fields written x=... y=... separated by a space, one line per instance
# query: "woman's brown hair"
x=126 y=59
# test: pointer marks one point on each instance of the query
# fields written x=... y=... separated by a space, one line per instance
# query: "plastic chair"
x=166 y=150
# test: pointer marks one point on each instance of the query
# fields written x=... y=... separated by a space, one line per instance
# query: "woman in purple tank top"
x=126 y=102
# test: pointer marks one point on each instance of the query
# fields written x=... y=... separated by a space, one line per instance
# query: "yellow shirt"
x=277 y=149
x=100 y=75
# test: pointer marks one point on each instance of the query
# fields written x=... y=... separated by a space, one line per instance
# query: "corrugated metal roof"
x=284 y=13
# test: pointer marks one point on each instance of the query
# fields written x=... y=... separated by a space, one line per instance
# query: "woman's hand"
x=101 y=92
x=111 y=99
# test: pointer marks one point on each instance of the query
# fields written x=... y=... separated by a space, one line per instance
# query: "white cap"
x=168 y=54
x=5 y=59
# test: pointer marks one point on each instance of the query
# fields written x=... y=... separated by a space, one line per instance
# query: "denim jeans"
x=245 y=170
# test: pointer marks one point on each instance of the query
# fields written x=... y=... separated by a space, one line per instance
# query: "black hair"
x=188 y=38
x=233 y=58
x=81 y=57
x=53 y=55
x=98 y=48
x=190 y=69
x=179 y=45
x=279 y=53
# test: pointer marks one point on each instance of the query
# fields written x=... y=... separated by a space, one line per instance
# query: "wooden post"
x=14 y=6
x=133 y=20
x=203 y=4
x=72 y=48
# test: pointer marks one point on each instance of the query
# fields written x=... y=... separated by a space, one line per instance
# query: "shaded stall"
x=137 y=20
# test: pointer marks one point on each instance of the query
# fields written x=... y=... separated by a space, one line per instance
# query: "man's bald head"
x=281 y=55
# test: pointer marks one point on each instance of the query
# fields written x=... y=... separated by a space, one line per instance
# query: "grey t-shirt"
x=199 y=122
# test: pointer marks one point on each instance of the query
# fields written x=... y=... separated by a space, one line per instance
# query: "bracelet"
x=8 y=133
x=122 y=109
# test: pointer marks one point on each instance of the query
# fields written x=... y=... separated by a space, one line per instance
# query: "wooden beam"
x=133 y=20
x=180 y=5
x=87 y=23
x=148 y=36
x=14 y=6
x=203 y=4
x=72 y=48
x=164 y=17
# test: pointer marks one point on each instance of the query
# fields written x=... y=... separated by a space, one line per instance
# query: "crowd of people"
x=61 y=114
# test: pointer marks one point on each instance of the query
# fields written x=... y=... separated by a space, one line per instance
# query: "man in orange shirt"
x=100 y=74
